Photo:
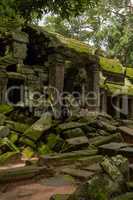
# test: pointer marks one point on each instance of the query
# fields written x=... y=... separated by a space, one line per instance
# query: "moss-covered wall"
x=129 y=72
x=111 y=65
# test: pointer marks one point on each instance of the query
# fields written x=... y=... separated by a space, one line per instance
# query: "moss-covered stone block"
x=8 y=157
x=76 y=132
x=129 y=72
x=44 y=149
x=17 y=126
x=39 y=127
x=69 y=125
x=28 y=153
x=55 y=142
x=75 y=44
x=13 y=137
x=28 y=142
x=103 y=186
x=2 y=119
x=111 y=65
x=100 y=187
x=4 y=131
x=5 y=109
x=77 y=143
x=111 y=169
x=8 y=144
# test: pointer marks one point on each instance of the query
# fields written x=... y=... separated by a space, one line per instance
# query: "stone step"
x=71 y=133
x=69 y=125
x=87 y=161
x=94 y=167
x=100 y=140
x=126 y=130
x=127 y=134
x=111 y=148
x=77 y=173
x=21 y=173
x=117 y=148
x=67 y=156
x=77 y=143
x=79 y=161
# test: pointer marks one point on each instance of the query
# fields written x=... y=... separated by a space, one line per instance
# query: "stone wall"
x=43 y=59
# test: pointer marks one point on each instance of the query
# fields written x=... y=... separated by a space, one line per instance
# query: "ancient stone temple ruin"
x=32 y=59
x=42 y=73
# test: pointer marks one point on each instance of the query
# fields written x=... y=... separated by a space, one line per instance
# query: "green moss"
x=39 y=127
x=75 y=44
x=11 y=23
x=5 y=109
x=58 y=40
x=130 y=90
x=8 y=60
x=44 y=149
x=102 y=80
x=28 y=153
x=4 y=158
x=16 y=126
x=33 y=134
x=119 y=89
x=21 y=127
x=9 y=144
x=59 y=197
x=129 y=72
x=113 y=88
x=111 y=65
x=27 y=142
x=55 y=142
x=13 y=137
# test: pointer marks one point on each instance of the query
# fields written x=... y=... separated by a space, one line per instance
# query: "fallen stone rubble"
x=46 y=135
x=90 y=148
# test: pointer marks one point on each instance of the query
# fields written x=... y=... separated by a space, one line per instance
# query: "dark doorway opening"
x=110 y=106
x=15 y=91
x=123 y=106
x=11 y=68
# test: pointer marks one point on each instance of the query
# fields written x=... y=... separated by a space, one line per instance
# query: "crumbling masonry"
x=32 y=58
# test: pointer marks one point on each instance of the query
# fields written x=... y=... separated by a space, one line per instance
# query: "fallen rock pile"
x=47 y=136
x=77 y=147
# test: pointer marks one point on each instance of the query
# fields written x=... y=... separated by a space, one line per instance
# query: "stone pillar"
x=130 y=108
x=96 y=88
x=117 y=109
x=125 y=110
x=3 y=87
x=56 y=83
x=59 y=75
x=56 y=76
x=104 y=102
x=19 y=46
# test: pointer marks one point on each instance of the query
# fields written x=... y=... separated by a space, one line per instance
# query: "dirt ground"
x=35 y=191
x=31 y=190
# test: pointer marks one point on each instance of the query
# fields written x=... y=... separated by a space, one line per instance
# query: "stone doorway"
x=15 y=91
